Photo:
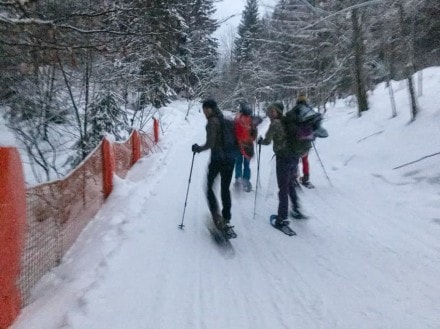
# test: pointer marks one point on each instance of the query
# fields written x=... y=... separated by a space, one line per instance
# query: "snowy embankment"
x=368 y=257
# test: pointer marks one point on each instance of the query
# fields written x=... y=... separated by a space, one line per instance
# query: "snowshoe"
x=307 y=184
x=282 y=225
x=220 y=240
x=229 y=232
x=219 y=222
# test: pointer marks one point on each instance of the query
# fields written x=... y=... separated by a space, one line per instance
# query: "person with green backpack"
x=287 y=158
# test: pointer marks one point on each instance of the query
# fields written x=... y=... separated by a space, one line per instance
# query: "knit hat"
x=279 y=107
x=245 y=109
x=302 y=97
x=210 y=103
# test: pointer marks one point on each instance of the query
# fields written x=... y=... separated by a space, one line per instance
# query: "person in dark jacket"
x=286 y=164
x=301 y=102
x=220 y=163
x=302 y=108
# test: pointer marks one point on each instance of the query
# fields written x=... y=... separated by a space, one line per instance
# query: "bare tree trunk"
x=359 y=50
x=420 y=84
x=72 y=98
x=86 y=97
x=393 y=100
x=412 y=95
x=389 y=84
x=409 y=69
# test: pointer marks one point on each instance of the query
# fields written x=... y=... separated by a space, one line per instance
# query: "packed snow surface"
x=368 y=256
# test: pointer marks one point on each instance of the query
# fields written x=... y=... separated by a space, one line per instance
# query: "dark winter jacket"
x=214 y=140
x=300 y=111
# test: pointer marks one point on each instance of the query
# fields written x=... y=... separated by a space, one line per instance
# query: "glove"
x=196 y=148
x=260 y=140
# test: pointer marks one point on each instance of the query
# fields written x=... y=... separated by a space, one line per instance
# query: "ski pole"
x=258 y=178
x=322 y=165
x=258 y=165
x=181 y=226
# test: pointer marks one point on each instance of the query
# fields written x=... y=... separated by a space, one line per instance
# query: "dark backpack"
x=302 y=123
x=230 y=146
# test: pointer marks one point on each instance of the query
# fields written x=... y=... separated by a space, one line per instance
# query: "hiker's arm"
x=275 y=132
x=211 y=134
x=269 y=136
x=254 y=131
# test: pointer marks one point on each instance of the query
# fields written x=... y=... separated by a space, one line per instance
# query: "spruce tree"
x=202 y=54
x=246 y=53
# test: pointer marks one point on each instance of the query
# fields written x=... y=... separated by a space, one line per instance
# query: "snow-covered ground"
x=368 y=256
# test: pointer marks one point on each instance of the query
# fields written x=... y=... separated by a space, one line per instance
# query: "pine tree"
x=107 y=117
x=246 y=53
x=202 y=54
x=291 y=48
x=248 y=32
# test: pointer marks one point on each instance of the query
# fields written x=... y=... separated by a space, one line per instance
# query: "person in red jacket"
x=246 y=133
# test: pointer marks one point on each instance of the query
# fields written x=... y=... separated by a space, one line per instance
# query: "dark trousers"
x=225 y=169
x=286 y=167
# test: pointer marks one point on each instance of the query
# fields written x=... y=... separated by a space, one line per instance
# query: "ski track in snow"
x=364 y=258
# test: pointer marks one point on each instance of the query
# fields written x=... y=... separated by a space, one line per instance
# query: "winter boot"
x=219 y=221
x=297 y=214
x=305 y=180
x=238 y=184
x=281 y=222
x=228 y=230
x=247 y=186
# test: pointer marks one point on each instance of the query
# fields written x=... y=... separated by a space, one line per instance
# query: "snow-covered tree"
x=202 y=52
x=246 y=53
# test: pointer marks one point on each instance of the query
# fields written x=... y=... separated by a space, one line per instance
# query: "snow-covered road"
x=368 y=256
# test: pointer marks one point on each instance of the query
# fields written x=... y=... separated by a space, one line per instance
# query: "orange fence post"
x=156 y=130
x=136 y=145
x=108 y=167
x=12 y=231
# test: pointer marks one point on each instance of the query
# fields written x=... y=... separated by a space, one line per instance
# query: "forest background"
x=75 y=71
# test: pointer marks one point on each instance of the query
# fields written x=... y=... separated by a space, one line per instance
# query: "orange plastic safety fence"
x=56 y=214
x=12 y=231
x=123 y=155
x=58 y=211
x=147 y=143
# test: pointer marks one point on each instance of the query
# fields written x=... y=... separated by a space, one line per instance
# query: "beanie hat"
x=302 y=97
x=279 y=107
x=210 y=103
x=245 y=109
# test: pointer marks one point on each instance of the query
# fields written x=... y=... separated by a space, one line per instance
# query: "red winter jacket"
x=246 y=133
